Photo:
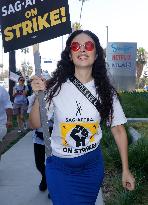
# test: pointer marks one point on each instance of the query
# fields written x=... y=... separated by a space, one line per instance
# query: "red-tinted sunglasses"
x=89 y=46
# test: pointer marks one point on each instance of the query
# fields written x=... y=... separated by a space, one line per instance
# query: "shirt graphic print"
x=78 y=135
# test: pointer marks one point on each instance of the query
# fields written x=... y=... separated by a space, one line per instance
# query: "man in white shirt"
x=6 y=113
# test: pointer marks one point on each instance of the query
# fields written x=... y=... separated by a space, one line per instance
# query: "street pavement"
x=19 y=178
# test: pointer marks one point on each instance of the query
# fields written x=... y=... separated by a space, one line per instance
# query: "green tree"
x=141 y=82
x=25 y=50
x=76 y=26
x=26 y=69
x=81 y=9
x=141 y=60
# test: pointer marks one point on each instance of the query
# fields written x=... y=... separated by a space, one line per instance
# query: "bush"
x=110 y=150
x=134 y=103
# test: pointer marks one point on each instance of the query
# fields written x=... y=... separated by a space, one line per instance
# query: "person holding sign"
x=81 y=97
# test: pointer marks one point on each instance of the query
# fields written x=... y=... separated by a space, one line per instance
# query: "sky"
x=126 y=21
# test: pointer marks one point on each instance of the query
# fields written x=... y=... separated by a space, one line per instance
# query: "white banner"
x=14 y=76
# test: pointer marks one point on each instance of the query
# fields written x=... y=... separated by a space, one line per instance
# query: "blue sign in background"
x=121 y=64
x=121 y=57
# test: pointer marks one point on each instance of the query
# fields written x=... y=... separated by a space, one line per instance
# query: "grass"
x=12 y=140
x=14 y=121
x=113 y=192
x=138 y=155
x=120 y=196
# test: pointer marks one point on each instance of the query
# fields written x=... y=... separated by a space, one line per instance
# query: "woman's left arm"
x=120 y=136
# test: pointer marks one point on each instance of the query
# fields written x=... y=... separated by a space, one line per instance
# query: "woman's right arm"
x=34 y=115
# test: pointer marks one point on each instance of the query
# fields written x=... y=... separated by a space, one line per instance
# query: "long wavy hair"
x=66 y=69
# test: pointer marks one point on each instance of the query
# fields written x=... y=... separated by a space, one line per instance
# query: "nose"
x=82 y=48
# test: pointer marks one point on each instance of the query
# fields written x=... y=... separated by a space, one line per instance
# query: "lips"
x=83 y=57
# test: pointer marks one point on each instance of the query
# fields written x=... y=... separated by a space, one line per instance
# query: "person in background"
x=29 y=88
x=20 y=103
x=81 y=97
x=6 y=113
x=39 y=145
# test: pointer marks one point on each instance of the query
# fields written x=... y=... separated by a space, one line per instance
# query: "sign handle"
x=42 y=104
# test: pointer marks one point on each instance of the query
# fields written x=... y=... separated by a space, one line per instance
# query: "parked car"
x=2 y=83
x=145 y=88
x=146 y=73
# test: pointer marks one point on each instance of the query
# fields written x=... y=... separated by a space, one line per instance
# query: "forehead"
x=82 y=38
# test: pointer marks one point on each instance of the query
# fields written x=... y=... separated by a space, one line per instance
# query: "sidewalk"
x=19 y=178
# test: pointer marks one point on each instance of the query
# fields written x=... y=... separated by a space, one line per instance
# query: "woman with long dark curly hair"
x=81 y=97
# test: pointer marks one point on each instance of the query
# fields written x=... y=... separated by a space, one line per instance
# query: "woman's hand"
x=128 y=180
x=37 y=83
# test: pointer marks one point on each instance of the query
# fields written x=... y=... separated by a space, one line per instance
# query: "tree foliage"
x=25 y=50
x=83 y=1
x=76 y=26
x=26 y=69
x=141 y=60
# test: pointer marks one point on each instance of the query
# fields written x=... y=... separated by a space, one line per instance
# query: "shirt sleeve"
x=6 y=99
x=49 y=108
x=31 y=100
x=118 y=113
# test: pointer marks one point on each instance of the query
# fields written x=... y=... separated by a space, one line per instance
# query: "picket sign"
x=42 y=103
x=40 y=29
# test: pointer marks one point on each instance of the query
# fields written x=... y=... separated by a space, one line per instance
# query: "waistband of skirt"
x=78 y=163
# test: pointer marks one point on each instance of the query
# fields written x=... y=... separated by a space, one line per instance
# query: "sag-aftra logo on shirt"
x=78 y=135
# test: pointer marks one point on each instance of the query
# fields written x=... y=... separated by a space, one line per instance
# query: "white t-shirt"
x=76 y=128
x=20 y=98
x=36 y=139
x=4 y=104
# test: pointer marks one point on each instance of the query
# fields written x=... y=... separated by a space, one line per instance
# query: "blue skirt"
x=75 y=181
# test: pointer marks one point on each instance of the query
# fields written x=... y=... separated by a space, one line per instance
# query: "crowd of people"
x=79 y=97
x=22 y=93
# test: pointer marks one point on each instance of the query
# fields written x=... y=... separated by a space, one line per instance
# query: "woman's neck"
x=84 y=76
